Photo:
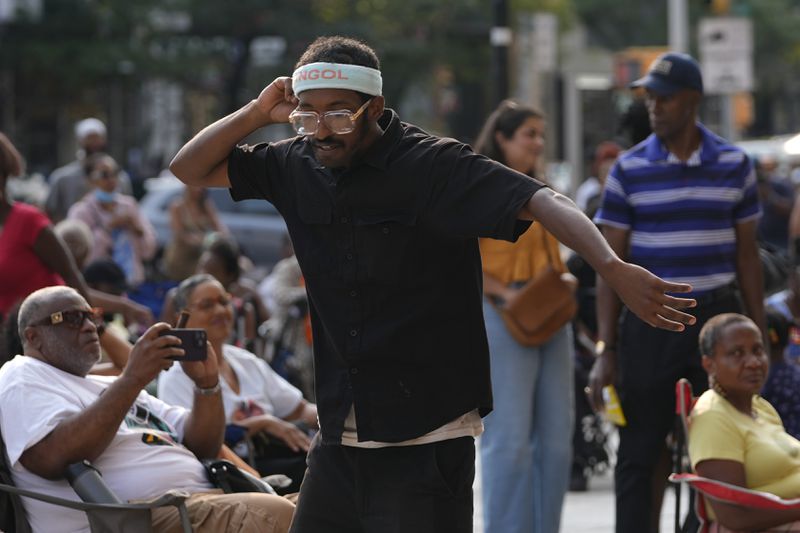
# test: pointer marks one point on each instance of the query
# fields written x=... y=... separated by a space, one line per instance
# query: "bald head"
x=68 y=347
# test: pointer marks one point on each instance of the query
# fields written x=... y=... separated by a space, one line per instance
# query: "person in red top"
x=32 y=256
x=25 y=249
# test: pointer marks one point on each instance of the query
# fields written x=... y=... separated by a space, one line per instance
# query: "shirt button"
x=343 y=220
x=385 y=231
x=353 y=293
x=349 y=257
x=353 y=332
x=354 y=370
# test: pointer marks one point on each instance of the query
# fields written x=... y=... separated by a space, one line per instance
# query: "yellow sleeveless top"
x=520 y=261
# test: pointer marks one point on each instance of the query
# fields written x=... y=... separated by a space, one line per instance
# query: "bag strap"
x=550 y=261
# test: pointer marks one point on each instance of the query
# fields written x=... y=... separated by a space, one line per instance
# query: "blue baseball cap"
x=670 y=73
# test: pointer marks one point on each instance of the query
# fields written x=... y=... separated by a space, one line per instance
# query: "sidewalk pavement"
x=591 y=511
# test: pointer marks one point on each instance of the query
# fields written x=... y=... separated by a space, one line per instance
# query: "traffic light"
x=718 y=7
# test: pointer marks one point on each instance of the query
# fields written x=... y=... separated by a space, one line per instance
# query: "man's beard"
x=72 y=360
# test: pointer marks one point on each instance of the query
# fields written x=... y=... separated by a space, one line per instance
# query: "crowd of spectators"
x=258 y=327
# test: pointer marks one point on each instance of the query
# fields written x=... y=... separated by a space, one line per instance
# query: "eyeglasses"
x=209 y=303
x=107 y=174
x=339 y=122
x=73 y=318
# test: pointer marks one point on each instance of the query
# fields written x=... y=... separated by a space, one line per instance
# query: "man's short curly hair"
x=339 y=49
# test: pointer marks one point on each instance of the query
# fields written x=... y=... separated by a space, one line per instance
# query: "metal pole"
x=500 y=39
x=573 y=130
x=727 y=127
x=678 y=25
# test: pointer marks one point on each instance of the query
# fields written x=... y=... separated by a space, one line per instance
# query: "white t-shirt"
x=261 y=389
x=142 y=461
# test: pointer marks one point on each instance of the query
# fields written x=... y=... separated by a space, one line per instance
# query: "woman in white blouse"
x=258 y=402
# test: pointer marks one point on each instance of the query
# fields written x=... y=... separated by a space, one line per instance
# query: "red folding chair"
x=684 y=402
x=709 y=488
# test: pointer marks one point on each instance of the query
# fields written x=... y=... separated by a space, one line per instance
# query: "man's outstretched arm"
x=642 y=292
x=203 y=161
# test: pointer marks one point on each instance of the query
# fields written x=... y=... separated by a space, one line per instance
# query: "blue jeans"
x=526 y=449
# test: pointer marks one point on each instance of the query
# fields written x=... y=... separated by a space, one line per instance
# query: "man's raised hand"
x=277 y=100
x=151 y=354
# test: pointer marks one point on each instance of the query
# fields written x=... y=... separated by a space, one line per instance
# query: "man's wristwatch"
x=600 y=347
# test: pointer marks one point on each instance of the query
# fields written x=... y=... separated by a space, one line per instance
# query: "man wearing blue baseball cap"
x=384 y=219
x=683 y=204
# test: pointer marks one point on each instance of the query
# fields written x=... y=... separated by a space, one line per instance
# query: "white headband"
x=337 y=76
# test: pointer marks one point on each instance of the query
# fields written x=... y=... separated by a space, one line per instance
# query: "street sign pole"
x=678 y=21
x=726 y=123
x=500 y=38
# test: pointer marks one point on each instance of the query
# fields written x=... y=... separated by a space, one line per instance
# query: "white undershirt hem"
x=466 y=425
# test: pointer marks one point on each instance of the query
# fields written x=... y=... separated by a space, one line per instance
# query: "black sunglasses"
x=73 y=318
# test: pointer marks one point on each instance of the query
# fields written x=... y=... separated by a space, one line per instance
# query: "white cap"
x=87 y=126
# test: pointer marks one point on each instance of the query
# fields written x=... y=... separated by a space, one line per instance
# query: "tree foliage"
x=77 y=49
x=83 y=43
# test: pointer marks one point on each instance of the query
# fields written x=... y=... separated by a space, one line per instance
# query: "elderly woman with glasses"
x=258 y=403
x=120 y=232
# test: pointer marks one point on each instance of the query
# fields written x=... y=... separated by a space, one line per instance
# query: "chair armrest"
x=116 y=517
x=734 y=494
x=171 y=497
x=88 y=484
x=225 y=475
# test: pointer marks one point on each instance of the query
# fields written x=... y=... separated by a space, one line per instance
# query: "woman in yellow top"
x=526 y=446
x=735 y=435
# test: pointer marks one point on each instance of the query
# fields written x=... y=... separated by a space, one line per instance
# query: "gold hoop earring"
x=712 y=381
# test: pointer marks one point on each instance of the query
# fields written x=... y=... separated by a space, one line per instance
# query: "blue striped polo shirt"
x=682 y=216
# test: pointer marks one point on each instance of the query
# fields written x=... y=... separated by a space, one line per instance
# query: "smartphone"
x=193 y=342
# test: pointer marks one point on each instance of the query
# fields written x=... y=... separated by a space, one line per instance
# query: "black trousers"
x=419 y=489
x=650 y=361
x=283 y=461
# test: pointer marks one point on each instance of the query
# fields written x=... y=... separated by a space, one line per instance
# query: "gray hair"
x=187 y=287
x=77 y=235
x=712 y=330
x=31 y=308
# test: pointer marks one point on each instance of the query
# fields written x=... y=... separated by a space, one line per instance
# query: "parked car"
x=255 y=224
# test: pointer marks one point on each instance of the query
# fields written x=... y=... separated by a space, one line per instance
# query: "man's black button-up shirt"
x=389 y=252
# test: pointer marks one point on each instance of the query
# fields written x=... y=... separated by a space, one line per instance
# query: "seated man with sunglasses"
x=53 y=414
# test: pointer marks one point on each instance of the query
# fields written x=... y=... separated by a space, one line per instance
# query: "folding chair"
x=708 y=488
x=684 y=402
x=104 y=517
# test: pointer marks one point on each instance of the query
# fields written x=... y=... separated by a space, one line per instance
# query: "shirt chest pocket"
x=385 y=245
x=314 y=241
